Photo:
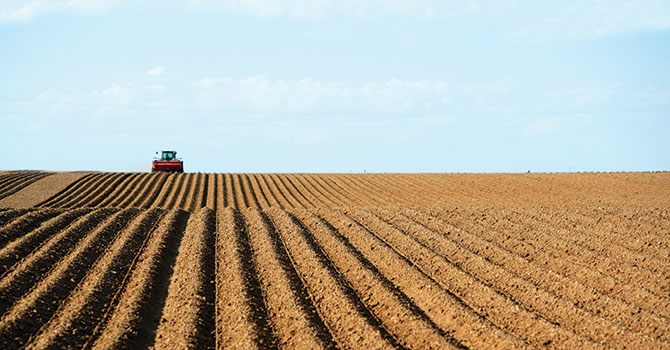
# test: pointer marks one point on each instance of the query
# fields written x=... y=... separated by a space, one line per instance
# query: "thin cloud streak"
x=518 y=20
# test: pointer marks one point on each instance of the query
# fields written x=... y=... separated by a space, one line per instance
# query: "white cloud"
x=315 y=9
x=520 y=19
x=156 y=71
x=23 y=10
x=262 y=94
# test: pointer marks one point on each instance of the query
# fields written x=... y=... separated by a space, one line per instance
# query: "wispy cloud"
x=262 y=94
x=520 y=20
x=156 y=71
x=24 y=10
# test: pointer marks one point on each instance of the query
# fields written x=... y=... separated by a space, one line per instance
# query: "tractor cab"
x=168 y=155
x=167 y=162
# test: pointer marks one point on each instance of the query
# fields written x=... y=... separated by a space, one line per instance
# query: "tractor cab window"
x=168 y=155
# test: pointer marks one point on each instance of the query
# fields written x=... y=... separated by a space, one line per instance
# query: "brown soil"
x=40 y=190
x=373 y=261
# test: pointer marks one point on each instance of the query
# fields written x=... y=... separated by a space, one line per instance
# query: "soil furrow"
x=68 y=190
x=188 y=315
x=502 y=294
x=21 y=184
x=212 y=192
x=350 y=322
x=13 y=252
x=437 y=233
x=624 y=265
x=292 y=315
x=177 y=192
x=101 y=192
x=133 y=192
x=277 y=196
x=321 y=193
x=91 y=189
x=26 y=316
x=8 y=214
x=602 y=244
x=24 y=224
x=78 y=315
x=248 y=188
x=221 y=201
x=163 y=193
x=122 y=191
x=241 y=195
x=116 y=192
x=397 y=312
x=148 y=196
x=639 y=238
x=203 y=192
x=279 y=186
x=525 y=246
x=186 y=193
x=294 y=190
x=133 y=320
x=262 y=194
x=231 y=198
x=241 y=314
x=190 y=198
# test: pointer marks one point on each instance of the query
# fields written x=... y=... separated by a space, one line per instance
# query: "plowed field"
x=371 y=261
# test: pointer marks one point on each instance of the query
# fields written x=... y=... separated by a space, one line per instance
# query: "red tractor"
x=168 y=162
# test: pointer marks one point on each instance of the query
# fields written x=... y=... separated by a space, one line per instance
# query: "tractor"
x=168 y=162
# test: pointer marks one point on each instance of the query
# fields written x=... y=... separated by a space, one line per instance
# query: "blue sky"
x=336 y=86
